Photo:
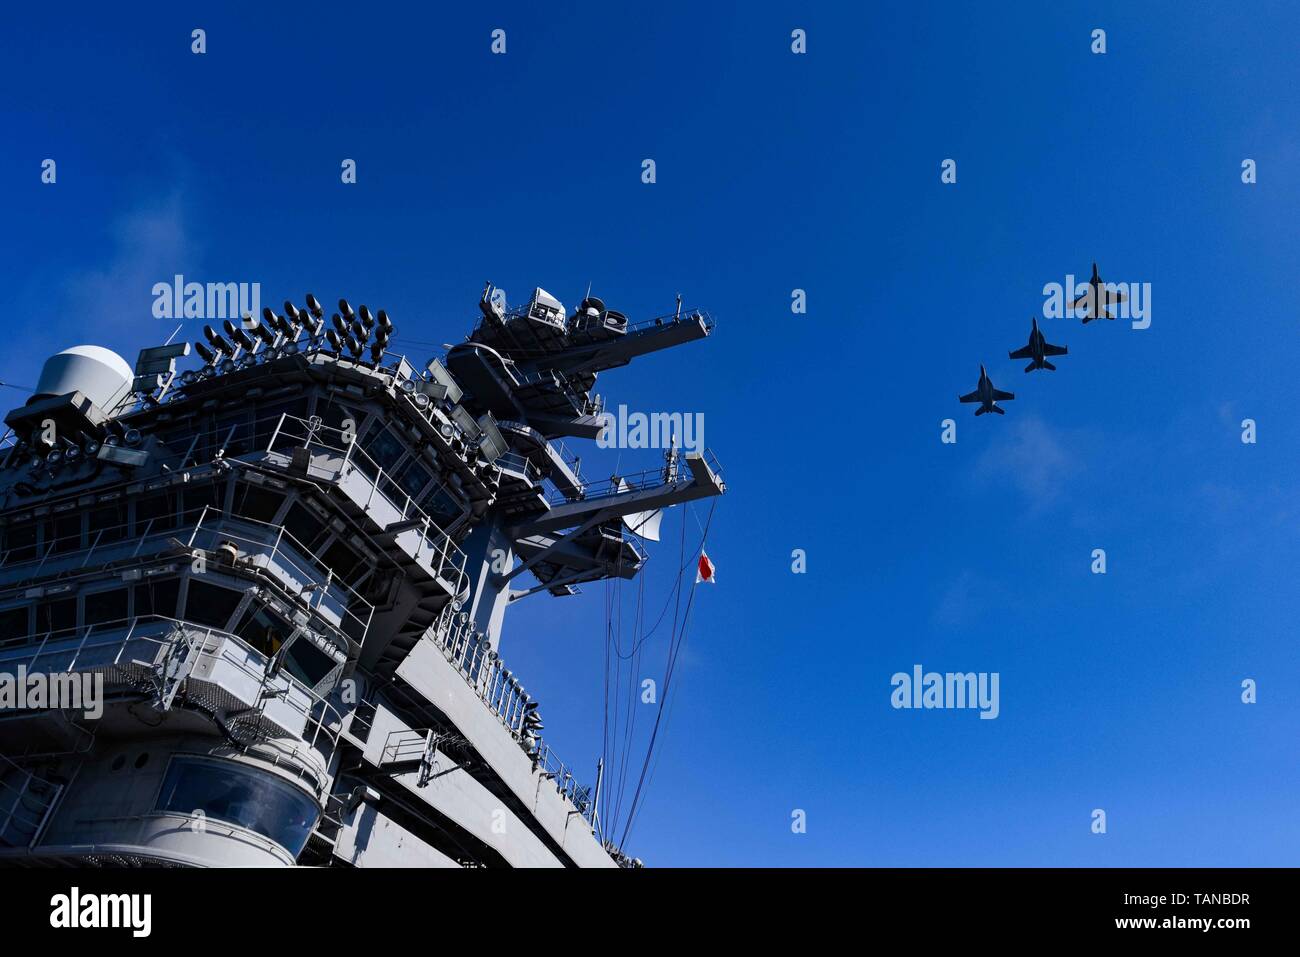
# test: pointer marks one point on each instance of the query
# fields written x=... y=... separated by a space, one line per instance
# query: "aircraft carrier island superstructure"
x=287 y=563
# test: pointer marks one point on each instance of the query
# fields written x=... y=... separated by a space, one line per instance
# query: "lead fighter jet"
x=1097 y=298
x=987 y=396
x=1038 y=350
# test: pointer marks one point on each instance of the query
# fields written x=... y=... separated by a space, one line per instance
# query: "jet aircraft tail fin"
x=1048 y=365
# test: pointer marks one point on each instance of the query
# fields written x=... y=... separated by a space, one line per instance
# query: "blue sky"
x=777 y=172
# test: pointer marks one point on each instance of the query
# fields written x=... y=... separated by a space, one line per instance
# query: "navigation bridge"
x=281 y=571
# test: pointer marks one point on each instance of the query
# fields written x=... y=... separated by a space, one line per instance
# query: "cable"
x=674 y=650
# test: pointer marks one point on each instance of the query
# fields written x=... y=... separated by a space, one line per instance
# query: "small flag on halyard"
x=705 y=571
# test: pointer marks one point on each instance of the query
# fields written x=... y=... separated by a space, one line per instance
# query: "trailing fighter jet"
x=987 y=396
x=1038 y=350
x=1097 y=298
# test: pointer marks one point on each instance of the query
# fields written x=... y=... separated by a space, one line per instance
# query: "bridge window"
x=107 y=523
x=382 y=446
x=63 y=533
x=14 y=624
x=212 y=605
x=155 y=513
x=413 y=477
x=247 y=797
x=105 y=606
x=157 y=597
x=264 y=631
x=57 y=616
x=19 y=543
x=307 y=663
x=257 y=503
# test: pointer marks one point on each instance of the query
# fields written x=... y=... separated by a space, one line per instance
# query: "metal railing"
x=518 y=463
x=443 y=555
x=146 y=642
x=284 y=549
x=466 y=649
x=18 y=818
x=636 y=481
x=208 y=531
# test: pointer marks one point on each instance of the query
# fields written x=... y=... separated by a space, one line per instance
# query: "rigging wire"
x=675 y=646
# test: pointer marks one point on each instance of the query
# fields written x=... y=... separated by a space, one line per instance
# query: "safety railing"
x=404 y=745
x=389 y=363
x=514 y=462
x=25 y=803
x=135 y=538
x=467 y=650
x=278 y=546
x=150 y=641
x=684 y=315
x=637 y=481
x=434 y=545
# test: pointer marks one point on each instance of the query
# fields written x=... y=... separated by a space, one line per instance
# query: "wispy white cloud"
x=1032 y=457
x=150 y=244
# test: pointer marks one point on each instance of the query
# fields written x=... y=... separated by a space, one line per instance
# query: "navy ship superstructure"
x=289 y=566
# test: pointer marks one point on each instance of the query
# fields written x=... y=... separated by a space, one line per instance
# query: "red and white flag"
x=704 y=573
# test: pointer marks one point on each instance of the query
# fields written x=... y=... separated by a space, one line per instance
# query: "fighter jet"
x=1038 y=350
x=987 y=396
x=1097 y=298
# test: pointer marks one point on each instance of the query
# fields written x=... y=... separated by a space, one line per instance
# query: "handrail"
x=634 y=481
x=467 y=650
x=307 y=565
x=165 y=634
x=443 y=553
x=222 y=528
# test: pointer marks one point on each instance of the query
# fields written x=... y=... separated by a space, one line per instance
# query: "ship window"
x=157 y=597
x=13 y=624
x=441 y=506
x=105 y=606
x=413 y=477
x=198 y=499
x=155 y=513
x=231 y=433
x=382 y=446
x=343 y=561
x=305 y=527
x=243 y=796
x=212 y=605
x=308 y=663
x=264 y=631
x=63 y=534
x=260 y=504
x=268 y=419
x=20 y=543
x=56 y=616
x=335 y=415
x=108 y=524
